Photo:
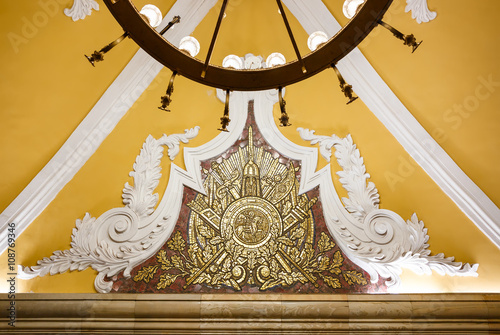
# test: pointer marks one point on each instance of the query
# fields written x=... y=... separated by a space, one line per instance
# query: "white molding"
x=384 y=104
x=420 y=11
x=81 y=9
x=101 y=120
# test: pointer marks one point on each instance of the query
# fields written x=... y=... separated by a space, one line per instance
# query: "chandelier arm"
x=284 y=116
x=114 y=43
x=248 y=80
x=393 y=30
x=175 y=20
x=290 y=34
x=214 y=38
x=224 y=120
x=167 y=98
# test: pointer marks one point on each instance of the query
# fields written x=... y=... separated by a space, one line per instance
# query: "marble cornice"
x=257 y=313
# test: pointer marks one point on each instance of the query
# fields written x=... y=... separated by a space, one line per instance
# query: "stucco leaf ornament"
x=381 y=241
x=353 y=177
x=119 y=239
x=147 y=171
x=81 y=9
x=419 y=10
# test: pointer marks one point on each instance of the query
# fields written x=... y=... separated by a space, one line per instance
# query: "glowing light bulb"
x=316 y=39
x=153 y=14
x=190 y=45
x=351 y=7
x=232 y=61
x=275 y=59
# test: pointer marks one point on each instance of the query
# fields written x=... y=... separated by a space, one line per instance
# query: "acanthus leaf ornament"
x=147 y=170
x=419 y=10
x=353 y=176
x=118 y=239
x=81 y=9
x=386 y=244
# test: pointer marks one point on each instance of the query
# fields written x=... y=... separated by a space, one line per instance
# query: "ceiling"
x=47 y=89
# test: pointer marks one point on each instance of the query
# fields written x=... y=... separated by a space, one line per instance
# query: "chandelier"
x=141 y=26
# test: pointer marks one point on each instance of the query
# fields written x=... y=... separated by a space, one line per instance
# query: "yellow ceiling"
x=47 y=88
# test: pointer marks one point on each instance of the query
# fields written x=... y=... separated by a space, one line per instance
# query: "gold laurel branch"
x=146 y=273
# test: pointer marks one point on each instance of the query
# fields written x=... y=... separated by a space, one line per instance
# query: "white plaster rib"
x=101 y=120
x=378 y=97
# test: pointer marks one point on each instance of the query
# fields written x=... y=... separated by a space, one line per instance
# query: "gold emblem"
x=248 y=222
x=252 y=228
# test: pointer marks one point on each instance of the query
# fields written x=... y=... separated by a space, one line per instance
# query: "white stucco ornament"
x=378 y=240
x=419 y=10
x=81 y=9
x=120 y=238
x=252 y=62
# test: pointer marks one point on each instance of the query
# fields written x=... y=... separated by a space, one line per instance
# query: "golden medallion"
x=252 y=221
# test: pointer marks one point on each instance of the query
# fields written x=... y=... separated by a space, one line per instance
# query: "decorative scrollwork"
x=385 y=243
x=81 y=9
x=380 y=226
x=363 y=195
x=121 y=223
x=120 y=238
x=419 y=10
x=147 y=171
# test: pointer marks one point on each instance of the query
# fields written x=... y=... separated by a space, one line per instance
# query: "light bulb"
x=275 y=59
x=232 y=61
x=316 y=39
x=153 y=14
x=190 y=45
x=351 y=7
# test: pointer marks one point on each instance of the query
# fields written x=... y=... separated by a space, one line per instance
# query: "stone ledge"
x=230 y=313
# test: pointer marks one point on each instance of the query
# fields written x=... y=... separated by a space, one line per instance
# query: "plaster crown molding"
x=385 y=106
x=81 y=9
x=419 y=10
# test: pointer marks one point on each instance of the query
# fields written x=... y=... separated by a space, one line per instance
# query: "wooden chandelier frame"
x=367 y=18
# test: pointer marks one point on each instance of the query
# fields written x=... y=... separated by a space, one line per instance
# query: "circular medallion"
x=251 y=222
